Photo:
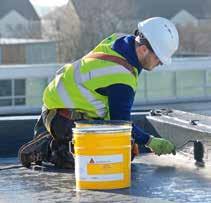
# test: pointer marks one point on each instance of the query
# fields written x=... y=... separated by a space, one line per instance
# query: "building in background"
x=80 y=25
x=63 y=25
x=18 y=19
x=21 y=48
x=27 y=51
x=19 y=86
x=192 y=17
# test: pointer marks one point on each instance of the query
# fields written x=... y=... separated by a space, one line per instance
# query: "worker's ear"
x=142 y=50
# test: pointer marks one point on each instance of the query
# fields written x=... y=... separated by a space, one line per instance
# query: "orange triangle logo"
x=91 y=161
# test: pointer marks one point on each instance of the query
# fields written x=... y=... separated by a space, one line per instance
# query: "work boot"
x=35 y=151
x=60 y=156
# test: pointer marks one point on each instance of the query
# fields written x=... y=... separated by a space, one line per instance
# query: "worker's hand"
x=161 y=146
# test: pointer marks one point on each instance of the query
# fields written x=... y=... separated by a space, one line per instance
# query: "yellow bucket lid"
x=102 y=129
x=104 y=122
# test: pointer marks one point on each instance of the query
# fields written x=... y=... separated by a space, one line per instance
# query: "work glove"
x=161 y=146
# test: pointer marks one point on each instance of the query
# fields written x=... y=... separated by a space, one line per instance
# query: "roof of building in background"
x=23 y=7
x=145 y=8
x=9 y=41
x=169 y=9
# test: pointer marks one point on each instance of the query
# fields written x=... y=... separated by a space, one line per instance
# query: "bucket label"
x=99 y=168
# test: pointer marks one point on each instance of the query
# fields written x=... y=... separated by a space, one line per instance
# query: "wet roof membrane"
x=154 y=179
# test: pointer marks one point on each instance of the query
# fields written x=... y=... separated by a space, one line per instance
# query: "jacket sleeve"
x=120 y=100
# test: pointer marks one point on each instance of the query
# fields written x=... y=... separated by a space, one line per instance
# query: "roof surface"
x=154 y=179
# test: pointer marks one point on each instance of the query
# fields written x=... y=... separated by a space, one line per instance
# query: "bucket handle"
x=72 y=142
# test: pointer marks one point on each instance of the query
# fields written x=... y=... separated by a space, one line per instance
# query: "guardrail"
x=184 y=84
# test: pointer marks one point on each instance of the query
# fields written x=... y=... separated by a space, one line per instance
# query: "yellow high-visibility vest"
x=75 y=84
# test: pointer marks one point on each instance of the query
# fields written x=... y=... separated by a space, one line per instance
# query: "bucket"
x=102 y=155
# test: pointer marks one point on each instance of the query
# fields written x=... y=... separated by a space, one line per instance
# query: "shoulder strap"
x=115 y=59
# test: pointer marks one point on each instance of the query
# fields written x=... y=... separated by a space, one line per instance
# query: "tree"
x=194 y=40
x=63 y=25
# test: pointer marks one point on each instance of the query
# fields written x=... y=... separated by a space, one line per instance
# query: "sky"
x=50 y=3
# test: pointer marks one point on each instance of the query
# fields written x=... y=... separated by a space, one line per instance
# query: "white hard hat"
x=162 y=36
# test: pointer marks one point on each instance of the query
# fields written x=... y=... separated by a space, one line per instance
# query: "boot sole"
x=27 y=153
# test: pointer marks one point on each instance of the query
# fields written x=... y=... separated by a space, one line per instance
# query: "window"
x=13 y=54
x=19 y=92
x=12 y=92
x=5 y=92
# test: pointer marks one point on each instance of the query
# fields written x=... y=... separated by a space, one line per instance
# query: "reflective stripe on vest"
x=115 y=59
x=100 y=72
x=64 y=95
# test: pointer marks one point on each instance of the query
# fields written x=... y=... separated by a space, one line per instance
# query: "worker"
x=101 y=85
